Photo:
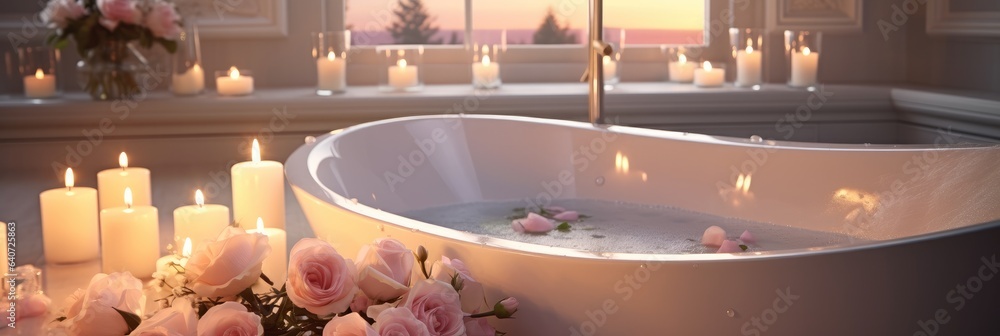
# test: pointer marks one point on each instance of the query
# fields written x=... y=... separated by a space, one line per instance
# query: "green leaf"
x=60 y=43
x=266 y=279
x=251 y=299
x=564 y=227
x=170 y=46
x=744 y=247
x=132 y=320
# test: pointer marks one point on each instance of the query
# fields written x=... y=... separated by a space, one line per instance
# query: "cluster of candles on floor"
x=127 y=238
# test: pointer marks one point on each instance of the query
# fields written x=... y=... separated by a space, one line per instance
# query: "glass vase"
x=109 y=71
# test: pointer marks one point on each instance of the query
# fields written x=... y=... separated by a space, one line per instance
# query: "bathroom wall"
x=952 y=61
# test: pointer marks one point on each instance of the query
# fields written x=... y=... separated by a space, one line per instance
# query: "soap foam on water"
x=621 y=227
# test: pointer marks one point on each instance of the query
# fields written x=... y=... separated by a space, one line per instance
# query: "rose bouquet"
x=103 y=31
x=213 y=293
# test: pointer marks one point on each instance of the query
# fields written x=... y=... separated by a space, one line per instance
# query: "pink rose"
x=349 y=325
x=228 y=266
x=472 y=293
x=116 y=11
x=178 y=320
x=479 y=327
x=319 y=279
x=163 y=19
x=399 y=322
x=437 y=305
x=534 y=223
x=229 y=319
x=384 y=269
x=91 y=312
x=58 y=13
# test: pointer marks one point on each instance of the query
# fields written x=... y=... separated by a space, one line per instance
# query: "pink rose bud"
x=567 y=216
x=421 y=253
x=729 y=246
x=747 y=237
x=505 y=308
x=713 y=236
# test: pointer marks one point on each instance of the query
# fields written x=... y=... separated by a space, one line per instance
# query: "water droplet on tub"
x=867 y=144
x=381 y=228
x=599 y=180
x=730 y=312
x=756 y=139
x=413 y=230
x=642 y=266
x=355 y=201
x=694 y=265
x=310 y=139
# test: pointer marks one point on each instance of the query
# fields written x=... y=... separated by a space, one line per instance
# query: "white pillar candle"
x=610 y=68
x=40 y=85
x=402 y=76
x=200 y=222
x=485 y=73
x=681 y=71
x=804 y=66
x=111 y=183
x=748 y=67
x=130 y=237
x=706 y=76
x=332 y=73
x=191 y=82
x=69 y=223
x=234 y=84
x=164 y=264
x=275 y=266
x=259 y=191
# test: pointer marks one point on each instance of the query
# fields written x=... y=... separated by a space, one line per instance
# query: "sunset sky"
x=528 y=14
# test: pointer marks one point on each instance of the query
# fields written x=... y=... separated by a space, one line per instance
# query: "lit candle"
x=40 y=85
x=748 y=65
x=681 y=71
x=610 y=68
x=111 y=183
x=275 y=266
x=171 y=260
x=259 y=191
x=332 y=73
x=234 y=84
x=130 y=237
x=402 y=76
x=191 y=82
x=200 y=222
x=485 y=73
x=707 y=76
x=69 y=223
x=804 y=66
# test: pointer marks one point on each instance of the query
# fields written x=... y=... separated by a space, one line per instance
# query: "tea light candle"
x=69 y=223
x=130 y=237
x=485 y=73
x=402 y=76
x=191 y=82
x=200 y=222
x=748 y=65
x=234 y=84
x=111 y=183
x=681 y=71
x=610 y=68
x=40 y=85
x=275 y=266
x=332 y=74
x=804 y=66
x=709 y=77
x=259 y=191
x=166 y=262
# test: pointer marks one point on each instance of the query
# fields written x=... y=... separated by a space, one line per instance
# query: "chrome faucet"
x=597 y=49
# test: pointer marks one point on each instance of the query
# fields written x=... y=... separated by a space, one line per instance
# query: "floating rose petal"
x=747 y=237
x=534 y=223
x=554 y=209
x=567 y=216
x=729 y=246
x=714 y=236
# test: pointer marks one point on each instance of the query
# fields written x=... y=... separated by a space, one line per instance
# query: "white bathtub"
x=927 y=217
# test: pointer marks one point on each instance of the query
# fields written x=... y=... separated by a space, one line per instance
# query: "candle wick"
x=128 y=205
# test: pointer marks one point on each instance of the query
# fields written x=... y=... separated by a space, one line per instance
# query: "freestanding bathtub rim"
x=298 y=175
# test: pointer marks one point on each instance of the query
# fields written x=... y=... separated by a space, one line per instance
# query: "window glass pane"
x=529 y=21
x=374 y=22
x=655 y=21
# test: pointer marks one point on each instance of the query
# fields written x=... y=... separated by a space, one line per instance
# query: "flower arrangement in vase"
x=104 y=32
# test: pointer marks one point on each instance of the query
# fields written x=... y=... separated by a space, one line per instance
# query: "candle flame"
x=123 y=160
x=234 y=73
x=128 y=197
x=682 y=59
x=707 y=66
x=486 y=49
x=806 y=51
x=255 y=151
x=749 y=46
x=401 y=63
x=486 y=60
x=331 y=56
x=260 y=226
x=69 y=178
x=199 y=198
x=39 y=74
x=186 y=251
